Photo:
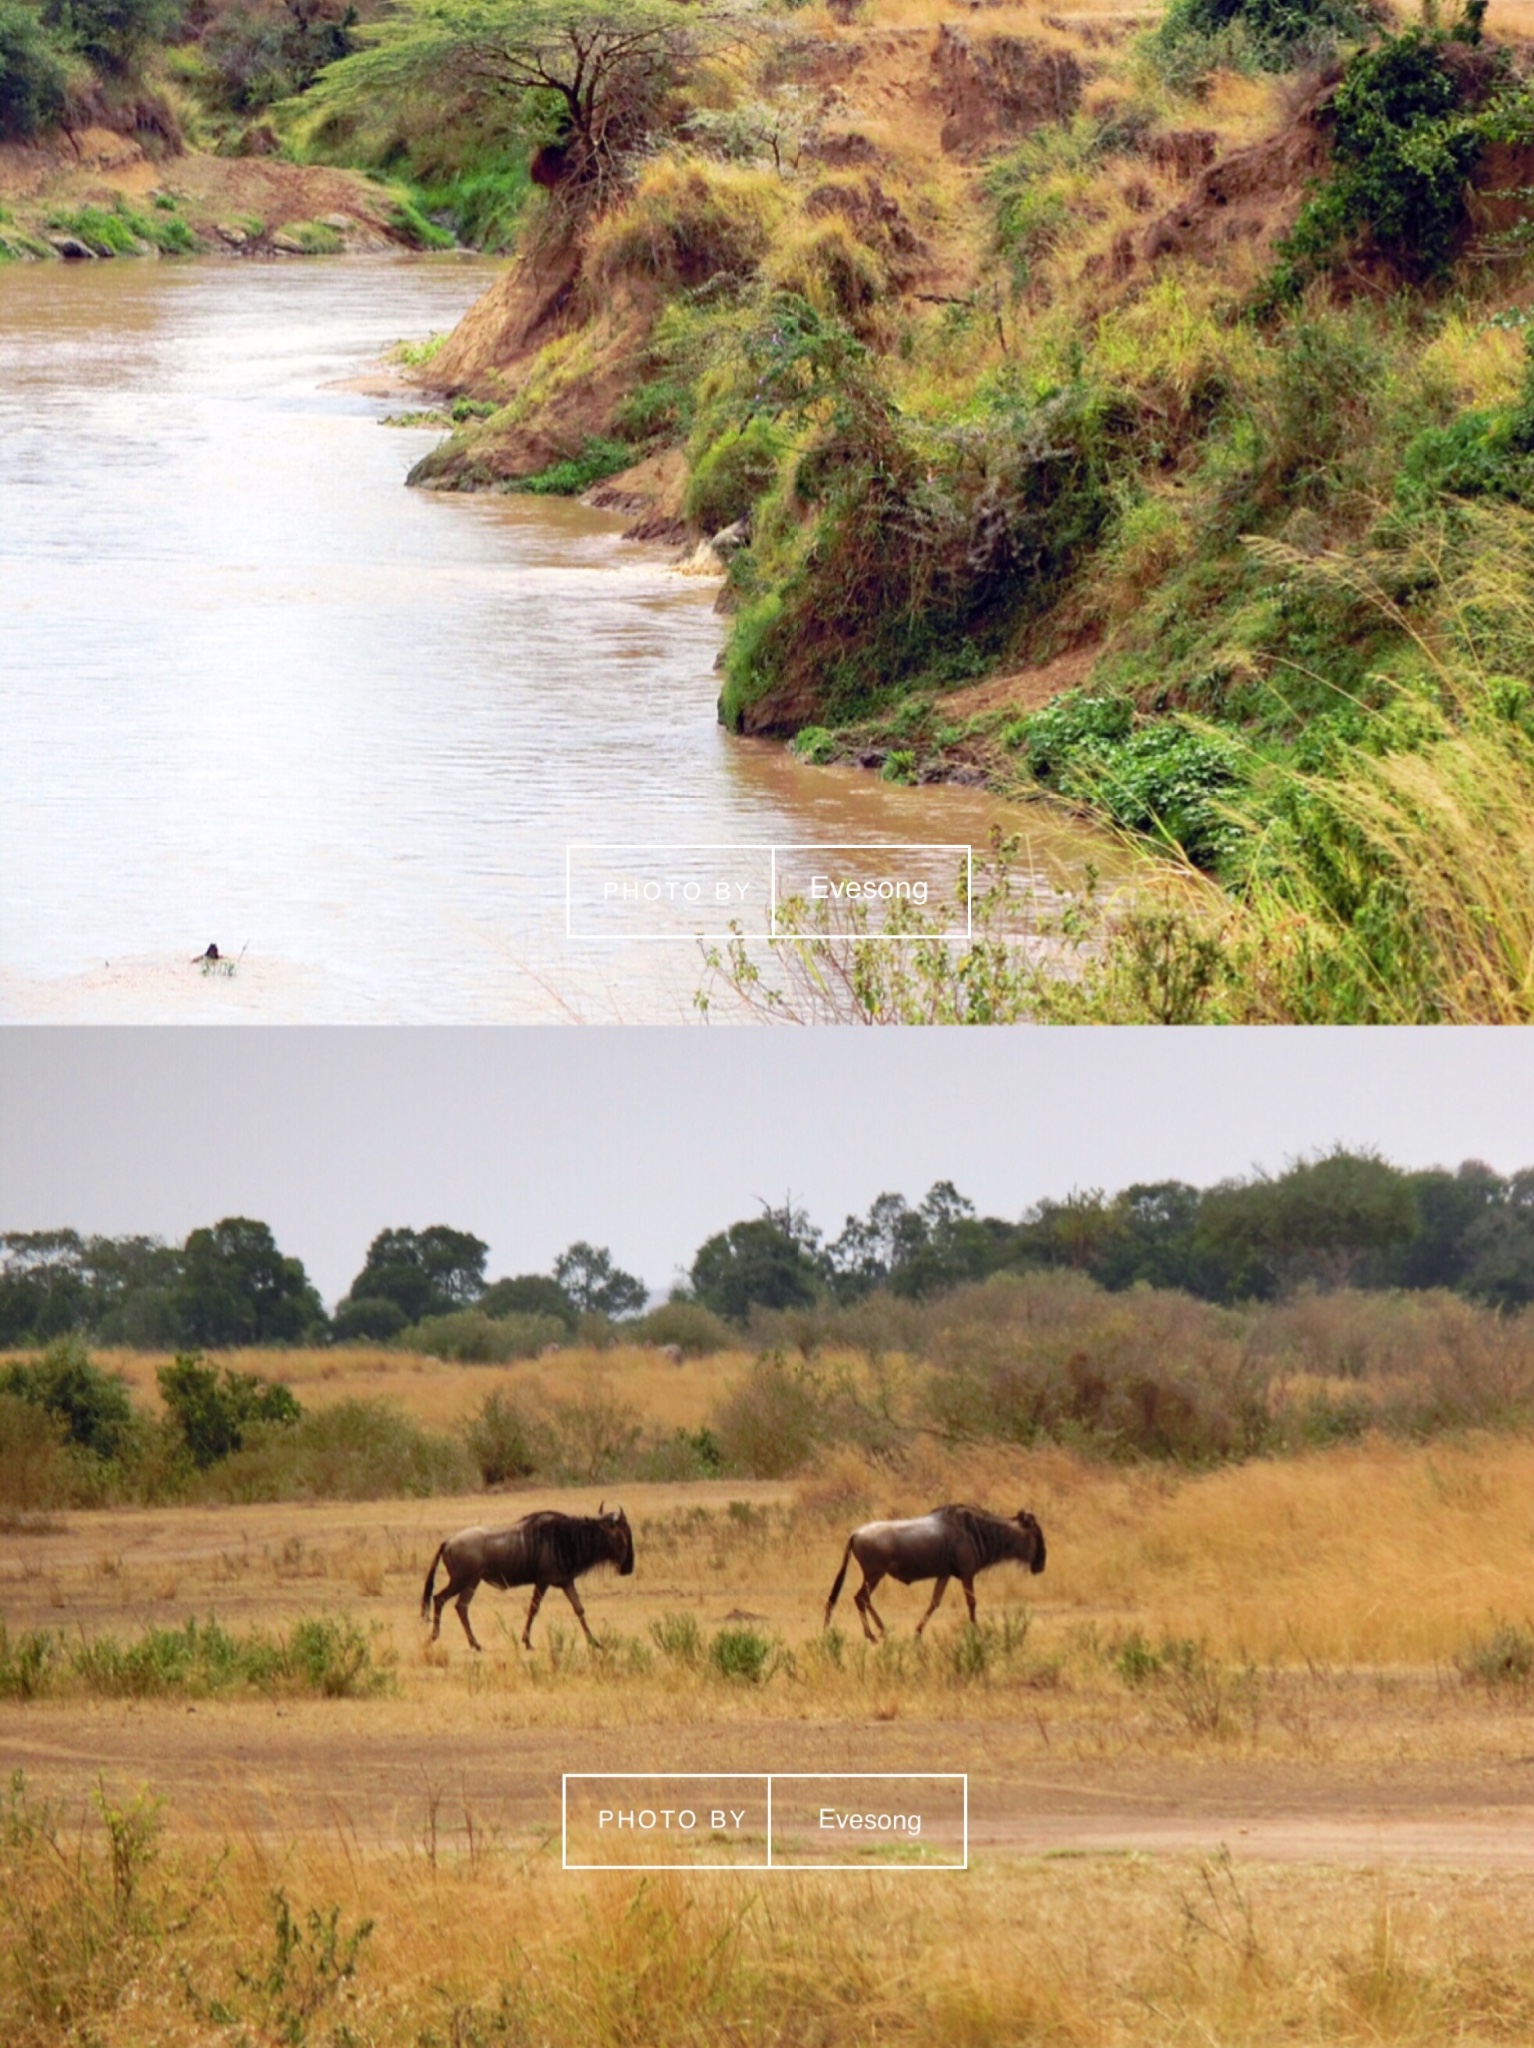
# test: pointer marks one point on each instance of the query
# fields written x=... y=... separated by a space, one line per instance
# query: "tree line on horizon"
x=1339 y=1219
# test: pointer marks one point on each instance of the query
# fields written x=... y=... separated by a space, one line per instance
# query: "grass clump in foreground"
x=123 y=1928
x=325 y=1655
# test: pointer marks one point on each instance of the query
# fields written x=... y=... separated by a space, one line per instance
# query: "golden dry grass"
x=467 y=1941
x=1349 y=1579
x=1377 y=1558
x=441 y=1395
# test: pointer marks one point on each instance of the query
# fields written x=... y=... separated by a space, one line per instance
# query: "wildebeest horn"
x=600 y=1505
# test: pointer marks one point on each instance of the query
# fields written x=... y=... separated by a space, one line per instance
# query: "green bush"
x=678 y=1638
x=113 y=34
x=34 y=74
x=732 y=473
x=597 y=459
x=742 y=1654
x=1503 y=1658
x=1265 y=35
x=469 y=1337
x=1486 y=454
x=92 y=1406
x=506 y=1442
x=355 y=1450
x=322 y=1655
x=814 y=744
x=211 y=1414
x=371 y=1317
x=529 y=1294
x=696 y=1330
x=772 y=1423
x=1403 y=148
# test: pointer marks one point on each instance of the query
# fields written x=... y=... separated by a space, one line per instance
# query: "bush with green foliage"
x=353 y=1450
x=1265 y=35
x=1408 y=125
x=470 y=1337
x=262 y=51
x=529 y=1294
x=596 y=459
x=34 y=73
x=113 y=34
x=731 y=473
x=322 y=1655
x=506 y=1441
x=695 y=1330
x=211 y=1413
x=92 y=1407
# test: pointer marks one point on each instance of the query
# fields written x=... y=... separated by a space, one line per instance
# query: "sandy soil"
x=309 y=1767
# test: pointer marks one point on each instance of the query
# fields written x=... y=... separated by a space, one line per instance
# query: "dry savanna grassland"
x=1249 y=1762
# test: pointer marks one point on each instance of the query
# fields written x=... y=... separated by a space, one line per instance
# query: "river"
x=256 y=693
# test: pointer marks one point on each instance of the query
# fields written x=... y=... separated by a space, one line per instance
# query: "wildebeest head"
x=621 y=1537
x=1031 y=1551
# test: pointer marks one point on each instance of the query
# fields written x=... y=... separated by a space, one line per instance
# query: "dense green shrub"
x=1268 y=35
x=34 y=73
x=370 y=1317
x=113 y=34
x=597 y=458
x=506 y=1441
x=694 y=1329
x=212 y=1412
x=355 y=1450
x=1408 y=125
x=92 y=1406
x=772 y=1422
x=529 y=1294
x=262 y=51
x=731 y=473
x=1481 y=454
x=470 y=1337
x=322 y=1654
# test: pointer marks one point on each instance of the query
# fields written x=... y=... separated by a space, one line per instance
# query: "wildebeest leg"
x=439 y=1602
x=574 y=1599
x=969 y=1594
x=937 y=1593
x=462 y=1604
x=864 y=1601
x=537 y=1602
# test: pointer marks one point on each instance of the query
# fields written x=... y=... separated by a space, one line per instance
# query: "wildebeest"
x=953 y=1542
x=542 y=1550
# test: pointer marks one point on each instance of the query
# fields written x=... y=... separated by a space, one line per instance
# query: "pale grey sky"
x=646 y=1140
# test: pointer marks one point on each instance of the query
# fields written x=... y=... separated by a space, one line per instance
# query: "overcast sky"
x=647 y=1140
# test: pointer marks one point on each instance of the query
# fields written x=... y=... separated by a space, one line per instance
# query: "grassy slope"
x=1021 y=440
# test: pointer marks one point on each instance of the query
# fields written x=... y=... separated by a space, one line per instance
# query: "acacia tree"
x=605 y=66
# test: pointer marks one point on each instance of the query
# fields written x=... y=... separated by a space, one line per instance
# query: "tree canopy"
x=601 y=68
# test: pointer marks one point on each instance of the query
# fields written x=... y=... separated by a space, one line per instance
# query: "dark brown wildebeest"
x=542 y=1550
x=951 y=1543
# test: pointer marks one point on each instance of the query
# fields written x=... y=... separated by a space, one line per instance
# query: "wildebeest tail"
x=837 y=1588
x=430 y=1576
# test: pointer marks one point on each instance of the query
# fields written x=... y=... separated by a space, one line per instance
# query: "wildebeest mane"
x=567 y=1545
x=993 y=1536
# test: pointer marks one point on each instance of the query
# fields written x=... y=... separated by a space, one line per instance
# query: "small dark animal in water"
x=542 y=1550
x=953 y=1542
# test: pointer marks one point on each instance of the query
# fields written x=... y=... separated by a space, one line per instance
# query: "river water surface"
x=255 y=692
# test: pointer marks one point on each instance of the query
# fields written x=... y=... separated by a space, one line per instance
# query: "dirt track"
x=312 y=1767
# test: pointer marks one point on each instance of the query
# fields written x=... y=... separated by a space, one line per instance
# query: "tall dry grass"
x=121 y=1933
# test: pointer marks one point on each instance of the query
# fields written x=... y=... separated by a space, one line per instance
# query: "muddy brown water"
x=255 y=692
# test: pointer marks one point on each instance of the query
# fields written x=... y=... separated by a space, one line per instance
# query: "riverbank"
x=97 y=194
